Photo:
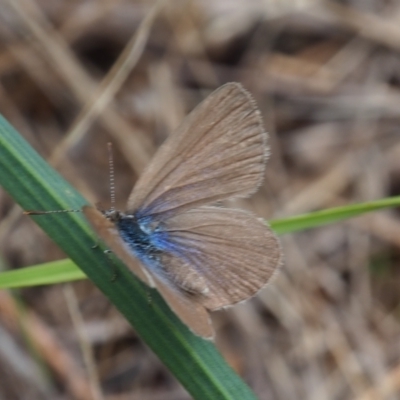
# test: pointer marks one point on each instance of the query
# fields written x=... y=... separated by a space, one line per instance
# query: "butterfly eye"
x=112 y=215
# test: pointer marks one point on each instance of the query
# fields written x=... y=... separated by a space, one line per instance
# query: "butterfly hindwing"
x=232 y=253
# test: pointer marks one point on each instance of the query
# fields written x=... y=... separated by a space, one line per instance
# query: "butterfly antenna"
x=49 y=212
x=112 y=180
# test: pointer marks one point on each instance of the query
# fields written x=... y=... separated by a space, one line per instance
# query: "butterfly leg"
x=114 y=275
x=108 y=252
x=149 y=297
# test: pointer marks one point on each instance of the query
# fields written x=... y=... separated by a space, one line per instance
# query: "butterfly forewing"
x=218 y=152
x=192 y=313
x=233 y=253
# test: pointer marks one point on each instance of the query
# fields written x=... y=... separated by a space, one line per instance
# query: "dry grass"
x=74 y=75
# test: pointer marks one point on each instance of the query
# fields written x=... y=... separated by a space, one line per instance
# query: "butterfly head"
x=113 y=215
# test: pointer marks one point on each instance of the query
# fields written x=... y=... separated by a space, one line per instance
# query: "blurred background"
x=75 y=75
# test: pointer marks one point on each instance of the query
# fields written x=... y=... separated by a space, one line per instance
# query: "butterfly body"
x=150 y=244
x=138 y=239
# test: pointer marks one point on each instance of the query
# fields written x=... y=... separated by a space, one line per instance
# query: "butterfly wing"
x=230 y=254
x=219 y=151
x=193 y=314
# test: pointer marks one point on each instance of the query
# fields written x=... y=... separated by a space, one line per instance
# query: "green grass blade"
x=44 y=274
x=36 y=186
x=330 y=215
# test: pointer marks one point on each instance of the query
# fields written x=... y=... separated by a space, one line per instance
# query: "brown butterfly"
x=199 y=257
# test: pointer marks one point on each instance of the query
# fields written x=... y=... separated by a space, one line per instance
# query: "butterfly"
x=200 y=257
